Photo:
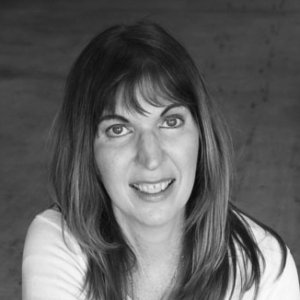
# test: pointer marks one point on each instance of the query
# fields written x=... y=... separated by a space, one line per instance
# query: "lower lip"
x=156 y=196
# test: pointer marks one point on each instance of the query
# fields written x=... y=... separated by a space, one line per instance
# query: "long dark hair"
x=144 y=56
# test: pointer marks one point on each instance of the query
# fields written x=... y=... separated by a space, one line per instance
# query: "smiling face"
x=147 y=161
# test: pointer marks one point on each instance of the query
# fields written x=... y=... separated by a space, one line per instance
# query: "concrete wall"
x=248 y=52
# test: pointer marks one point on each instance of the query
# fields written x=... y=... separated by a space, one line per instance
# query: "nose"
x=149 y=151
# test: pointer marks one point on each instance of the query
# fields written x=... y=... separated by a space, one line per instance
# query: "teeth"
x=152 y=188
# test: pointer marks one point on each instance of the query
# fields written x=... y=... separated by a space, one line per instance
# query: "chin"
x=159 y=218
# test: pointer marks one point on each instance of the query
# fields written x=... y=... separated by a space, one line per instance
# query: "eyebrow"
x=171 y=106
x=124 y=120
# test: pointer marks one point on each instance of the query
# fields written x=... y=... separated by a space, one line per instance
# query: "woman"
x=142 y=178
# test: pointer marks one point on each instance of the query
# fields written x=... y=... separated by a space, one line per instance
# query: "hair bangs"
x=152 y=88
x=151 y=83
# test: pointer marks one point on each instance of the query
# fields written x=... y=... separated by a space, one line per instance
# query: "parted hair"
x=143 y=56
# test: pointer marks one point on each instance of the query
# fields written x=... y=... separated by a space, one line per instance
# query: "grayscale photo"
x=150 y=150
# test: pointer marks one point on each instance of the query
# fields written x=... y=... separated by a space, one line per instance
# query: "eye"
x=117 y=130
x=173 y=121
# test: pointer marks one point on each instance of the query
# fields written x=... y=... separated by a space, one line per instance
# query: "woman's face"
x=148 y=162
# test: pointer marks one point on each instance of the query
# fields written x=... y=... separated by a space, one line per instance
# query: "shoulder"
x=47 y=233
x=53 y=264
x=279 y=279
x=266 y=241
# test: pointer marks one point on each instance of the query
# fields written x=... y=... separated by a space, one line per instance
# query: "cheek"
x=193 y=155
x=187 y=152
x=112 y=167
x=189 y=158
x=105 y=163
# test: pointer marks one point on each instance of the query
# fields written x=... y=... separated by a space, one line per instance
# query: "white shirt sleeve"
x=286 y=286
x=51 y=269
x=275 y=286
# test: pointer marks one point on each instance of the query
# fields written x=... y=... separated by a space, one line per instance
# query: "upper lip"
x=151 y=181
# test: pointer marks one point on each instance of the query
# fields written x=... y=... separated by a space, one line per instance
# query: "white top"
x=53 y=271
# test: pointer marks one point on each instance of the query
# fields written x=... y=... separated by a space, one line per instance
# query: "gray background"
x=248 y=52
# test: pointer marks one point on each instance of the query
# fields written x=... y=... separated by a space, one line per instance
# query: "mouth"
x=152 y=188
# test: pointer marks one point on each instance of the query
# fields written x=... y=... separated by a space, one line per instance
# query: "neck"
x=154 y=244
x=158 y=252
